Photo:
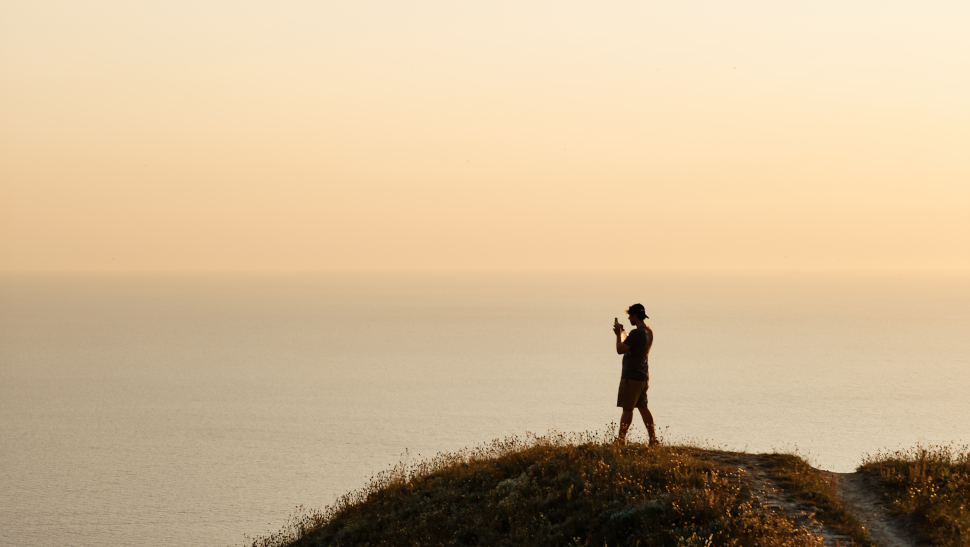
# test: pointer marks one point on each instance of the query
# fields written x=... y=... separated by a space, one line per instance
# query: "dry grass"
x=928 y=485
x=558 y=489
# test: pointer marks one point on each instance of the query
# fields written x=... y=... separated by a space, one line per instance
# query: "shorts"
x=632 y=394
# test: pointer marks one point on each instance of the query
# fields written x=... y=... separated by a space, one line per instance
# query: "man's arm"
x=621 y=348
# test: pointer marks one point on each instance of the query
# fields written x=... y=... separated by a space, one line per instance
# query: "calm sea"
x=190 y=410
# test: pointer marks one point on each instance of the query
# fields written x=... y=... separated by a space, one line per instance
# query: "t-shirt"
x=635 y=359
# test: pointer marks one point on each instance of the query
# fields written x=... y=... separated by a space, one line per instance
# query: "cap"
x=637 y=309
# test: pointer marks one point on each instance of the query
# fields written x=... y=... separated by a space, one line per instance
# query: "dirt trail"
x=862 y=500
x=860 y=497
x=777 y=499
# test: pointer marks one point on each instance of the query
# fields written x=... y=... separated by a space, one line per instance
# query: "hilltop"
x=579 y=489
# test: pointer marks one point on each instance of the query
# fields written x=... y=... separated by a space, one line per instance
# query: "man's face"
x=630 y=317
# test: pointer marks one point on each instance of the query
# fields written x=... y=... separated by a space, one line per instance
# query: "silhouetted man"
x=636 y=376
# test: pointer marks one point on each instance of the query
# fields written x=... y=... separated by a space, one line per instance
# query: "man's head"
x=637 y=311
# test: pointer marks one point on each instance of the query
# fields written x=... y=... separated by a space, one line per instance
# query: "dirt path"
x=860 y=497
x=862 y=500
x=777 y=499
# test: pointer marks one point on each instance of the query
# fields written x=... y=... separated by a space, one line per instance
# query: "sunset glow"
x=499 y=135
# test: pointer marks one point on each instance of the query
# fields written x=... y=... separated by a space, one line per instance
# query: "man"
x=636 y=377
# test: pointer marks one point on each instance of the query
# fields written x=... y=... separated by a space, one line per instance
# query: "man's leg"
x=647 y=421
x=626 y=418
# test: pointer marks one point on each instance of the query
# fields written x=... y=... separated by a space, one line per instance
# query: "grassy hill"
x=581 y=489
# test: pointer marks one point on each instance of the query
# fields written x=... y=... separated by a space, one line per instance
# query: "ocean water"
x=151 y=410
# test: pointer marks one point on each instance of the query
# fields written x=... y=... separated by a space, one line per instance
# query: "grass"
x=808 y=486
x=930 y=486
x=559 y=489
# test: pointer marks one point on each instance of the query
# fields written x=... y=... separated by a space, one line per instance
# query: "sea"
x=202 y=409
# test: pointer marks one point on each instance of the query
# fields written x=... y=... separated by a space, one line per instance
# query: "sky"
x=297 y=136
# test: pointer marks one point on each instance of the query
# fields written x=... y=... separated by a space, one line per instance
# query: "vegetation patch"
x=928 y=485
x=563 y=489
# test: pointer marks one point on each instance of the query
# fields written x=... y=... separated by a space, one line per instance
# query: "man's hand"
x=617 y=327
x=621 y=348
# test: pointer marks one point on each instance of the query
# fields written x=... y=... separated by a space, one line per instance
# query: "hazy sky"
x=300 y=135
